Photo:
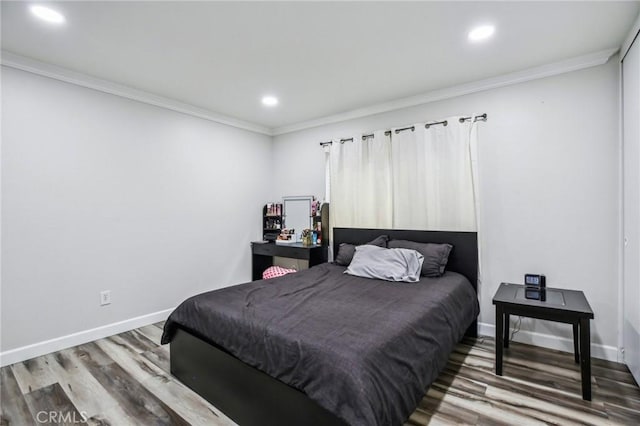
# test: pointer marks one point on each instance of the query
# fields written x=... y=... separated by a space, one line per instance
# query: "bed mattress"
x=364 y=349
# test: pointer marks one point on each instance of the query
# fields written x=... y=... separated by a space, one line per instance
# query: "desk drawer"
x=282 y=250
x=268 y=249
x=293 y=252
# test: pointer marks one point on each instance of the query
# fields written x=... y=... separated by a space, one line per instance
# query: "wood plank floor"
x=125 y=380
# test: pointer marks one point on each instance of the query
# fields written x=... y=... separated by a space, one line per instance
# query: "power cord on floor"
x=516 y=328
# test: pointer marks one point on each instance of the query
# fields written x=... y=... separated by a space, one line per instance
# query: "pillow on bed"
x=346 y=251
x=276 y=271
x=386 y=264
x=436 y=256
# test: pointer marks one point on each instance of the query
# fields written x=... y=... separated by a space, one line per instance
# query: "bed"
x=321 y=347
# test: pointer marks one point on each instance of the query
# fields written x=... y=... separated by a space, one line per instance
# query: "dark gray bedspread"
x=364 y=349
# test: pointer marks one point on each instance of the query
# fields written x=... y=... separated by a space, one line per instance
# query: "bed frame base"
x=220 y=378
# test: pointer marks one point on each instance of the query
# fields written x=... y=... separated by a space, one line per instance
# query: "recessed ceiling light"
x=481 y=33
x=270 y=101
x=47 y=14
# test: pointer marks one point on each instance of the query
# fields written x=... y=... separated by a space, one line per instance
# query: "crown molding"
x=63 y=74
x=568 y=65
x=633 y=33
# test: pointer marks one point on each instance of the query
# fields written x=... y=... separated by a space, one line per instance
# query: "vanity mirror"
x=297 y=213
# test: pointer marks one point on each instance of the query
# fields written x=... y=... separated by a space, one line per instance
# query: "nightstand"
x=566 y=306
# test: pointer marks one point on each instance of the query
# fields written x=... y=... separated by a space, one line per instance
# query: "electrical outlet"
x=105 y=297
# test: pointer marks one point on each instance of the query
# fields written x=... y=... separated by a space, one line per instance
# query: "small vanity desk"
x=262 y=254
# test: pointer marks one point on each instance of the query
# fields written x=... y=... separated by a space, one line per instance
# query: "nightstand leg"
x=506 y=330
x=499 y=335
x=585 y=358
x=576 y=340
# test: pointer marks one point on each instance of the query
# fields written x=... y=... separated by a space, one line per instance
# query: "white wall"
x=100 y=192
x=105 y=193
x=548 y=187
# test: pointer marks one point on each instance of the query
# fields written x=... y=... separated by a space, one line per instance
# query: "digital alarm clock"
x=535 y=287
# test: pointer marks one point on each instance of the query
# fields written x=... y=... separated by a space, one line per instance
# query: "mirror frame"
x=308 y=198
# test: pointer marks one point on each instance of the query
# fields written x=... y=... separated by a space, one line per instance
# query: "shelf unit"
x=273 y=223
x=322 y=218
x=272 y=219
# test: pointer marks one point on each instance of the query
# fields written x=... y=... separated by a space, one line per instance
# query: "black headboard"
x=463 y=258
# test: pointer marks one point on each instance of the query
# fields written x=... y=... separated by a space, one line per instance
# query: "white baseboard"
x=42 y=348
x=610 y=353
x=12 y=356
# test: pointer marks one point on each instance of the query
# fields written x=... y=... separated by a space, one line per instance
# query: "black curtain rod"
x=481 y=117
x=371 y=135
x=435 y=123
x=412 y=128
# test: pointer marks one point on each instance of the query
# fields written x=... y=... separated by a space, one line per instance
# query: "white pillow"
x=381 y=263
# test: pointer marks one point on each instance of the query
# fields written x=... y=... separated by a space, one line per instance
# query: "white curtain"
x=411 y=179
x=434 y=177
x=361 y=182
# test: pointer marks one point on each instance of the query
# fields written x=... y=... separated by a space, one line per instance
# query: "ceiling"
x=318 y=58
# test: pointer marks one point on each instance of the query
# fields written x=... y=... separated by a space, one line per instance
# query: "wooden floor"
x=125 y=380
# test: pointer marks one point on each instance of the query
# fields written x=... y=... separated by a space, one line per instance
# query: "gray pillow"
x=436 y=256
x=346 y=251
x=386 y=264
